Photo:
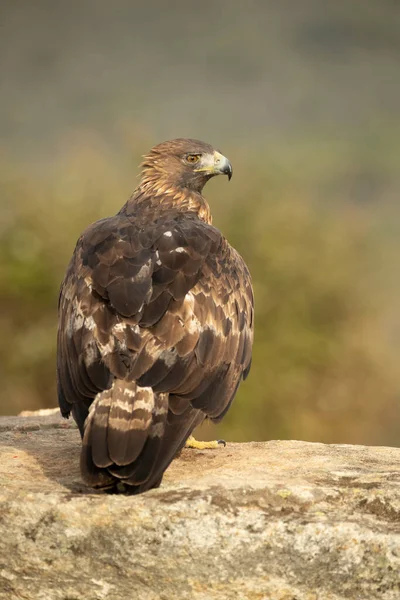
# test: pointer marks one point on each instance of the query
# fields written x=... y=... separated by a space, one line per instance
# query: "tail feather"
x=123 y=435
x=92 y=474
x=141 y=471
x=97 y=425
x=129 y=422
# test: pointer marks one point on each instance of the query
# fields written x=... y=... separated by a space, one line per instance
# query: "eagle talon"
x=191 y=442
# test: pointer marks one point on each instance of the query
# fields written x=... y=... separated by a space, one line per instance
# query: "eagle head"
x=185 y=163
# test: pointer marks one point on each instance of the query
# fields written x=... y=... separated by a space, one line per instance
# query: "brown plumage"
x=155 y=322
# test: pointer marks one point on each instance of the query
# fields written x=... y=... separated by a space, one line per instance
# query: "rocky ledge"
x=281 y=520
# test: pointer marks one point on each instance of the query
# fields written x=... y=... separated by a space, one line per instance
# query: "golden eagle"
x=155 y=322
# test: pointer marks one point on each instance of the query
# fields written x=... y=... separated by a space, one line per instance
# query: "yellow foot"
x=192 y=443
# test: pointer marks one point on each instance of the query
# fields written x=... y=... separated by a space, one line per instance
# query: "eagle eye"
x=192 y=158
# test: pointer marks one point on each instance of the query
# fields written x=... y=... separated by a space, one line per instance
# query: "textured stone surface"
x=276 y=520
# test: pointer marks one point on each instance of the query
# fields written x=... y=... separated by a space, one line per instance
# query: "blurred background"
x=304 y=97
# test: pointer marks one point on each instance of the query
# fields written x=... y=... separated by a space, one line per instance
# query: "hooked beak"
x=215 y=164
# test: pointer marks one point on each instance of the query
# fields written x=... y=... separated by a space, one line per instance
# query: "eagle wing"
x=166 y=308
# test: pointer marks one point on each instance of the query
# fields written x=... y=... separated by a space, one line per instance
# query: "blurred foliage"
x=304 y=98
x=323 y=366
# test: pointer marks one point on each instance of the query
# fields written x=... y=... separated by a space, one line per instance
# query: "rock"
x=281 y=520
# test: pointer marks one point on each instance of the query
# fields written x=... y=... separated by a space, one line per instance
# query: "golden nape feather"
x=155 y=322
